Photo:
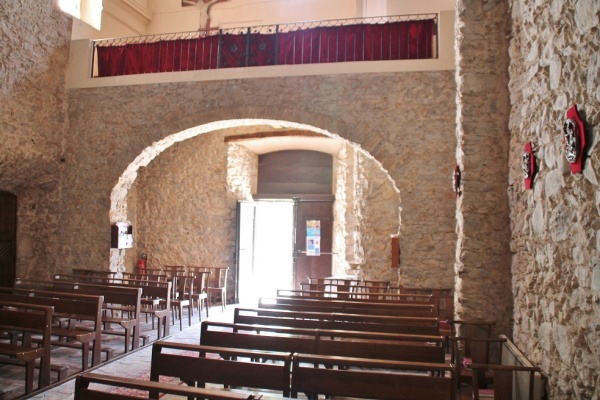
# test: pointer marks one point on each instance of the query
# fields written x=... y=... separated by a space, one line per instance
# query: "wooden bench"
x=224 y=334
x=325 y=294
x=199 y=365
x=444 y=296
x=353 y=291
x=28 y=319
x=121 y=306
x=387 y=298
x=72 y=306
x=153 y=294
x=87 y=273
x=371 y=379
x=325 y=342
x=348 y=306
x=316 y=320
x=89 y=387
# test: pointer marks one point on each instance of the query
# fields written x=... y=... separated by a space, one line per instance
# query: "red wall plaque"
x=574 y=140
x=528 y=165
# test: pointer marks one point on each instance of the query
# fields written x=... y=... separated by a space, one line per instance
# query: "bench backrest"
x=337 y=321
x=127 y=296
x=371 y=379
x=44 y=285
x=349 y=307
x=152 y=289
x=198 y=364
x=36 y=319
x=72 y=305
x=327 y=342
x=229 y=335
x=435 y=340
x=354 y=296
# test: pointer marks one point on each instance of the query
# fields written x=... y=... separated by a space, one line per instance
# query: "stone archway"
x=352 y=155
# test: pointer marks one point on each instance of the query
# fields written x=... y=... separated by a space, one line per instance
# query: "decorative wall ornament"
x=574 y=140
x=456 y=177
x=528 y=165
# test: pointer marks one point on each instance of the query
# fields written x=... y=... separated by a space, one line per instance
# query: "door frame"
x=11 y=237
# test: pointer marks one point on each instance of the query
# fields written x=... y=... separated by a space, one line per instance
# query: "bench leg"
x=85 y=349
x=29 y=368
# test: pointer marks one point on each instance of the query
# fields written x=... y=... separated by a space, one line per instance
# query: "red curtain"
x=162 y=56
x=391 y=41
x=369 y=42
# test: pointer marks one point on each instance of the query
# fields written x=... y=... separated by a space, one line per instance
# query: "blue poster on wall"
x=313 y=237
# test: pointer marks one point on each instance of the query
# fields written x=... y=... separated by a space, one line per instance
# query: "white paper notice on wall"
x=313 y=237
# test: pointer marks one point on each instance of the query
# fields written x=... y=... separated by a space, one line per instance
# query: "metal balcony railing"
x=400 y=37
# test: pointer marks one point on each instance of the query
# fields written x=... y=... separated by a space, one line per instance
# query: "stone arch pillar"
x=482 y=267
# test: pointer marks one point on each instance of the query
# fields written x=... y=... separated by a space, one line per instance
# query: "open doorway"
x=265 y=248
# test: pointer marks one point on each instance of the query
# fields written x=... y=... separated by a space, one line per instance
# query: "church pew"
x=317 y=320
x=121 y=305
x=72 y=306
x=371 y=379
x=444 y=296
x=384 y=298
x=89 y=386
x=153 y=292
x=324 y=342
x=348 y=306
x=417 y=298
x=27 y=319
x=198 y=365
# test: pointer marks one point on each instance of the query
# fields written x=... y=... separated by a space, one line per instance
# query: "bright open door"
x=265 y=249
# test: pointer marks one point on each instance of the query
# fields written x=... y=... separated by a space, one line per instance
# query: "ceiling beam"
x=272 y=134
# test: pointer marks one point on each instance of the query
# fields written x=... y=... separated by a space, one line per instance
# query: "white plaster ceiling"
x=268 y=145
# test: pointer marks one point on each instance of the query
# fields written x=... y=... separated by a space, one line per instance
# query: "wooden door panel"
x=313 y=266
x=8 y=239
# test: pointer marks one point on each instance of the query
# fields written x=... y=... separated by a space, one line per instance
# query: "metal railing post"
x=219 y=48
x=276 y=50
x=247 y=58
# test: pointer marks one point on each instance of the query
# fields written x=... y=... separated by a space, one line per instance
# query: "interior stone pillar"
x=483 y=279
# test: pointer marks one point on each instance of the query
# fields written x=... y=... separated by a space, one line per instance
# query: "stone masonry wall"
x=402 y=119
x=381 y=217
x=483 y=259
x=34 y=52
x=366 y=212
x=555 y=64
x=186 y=214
